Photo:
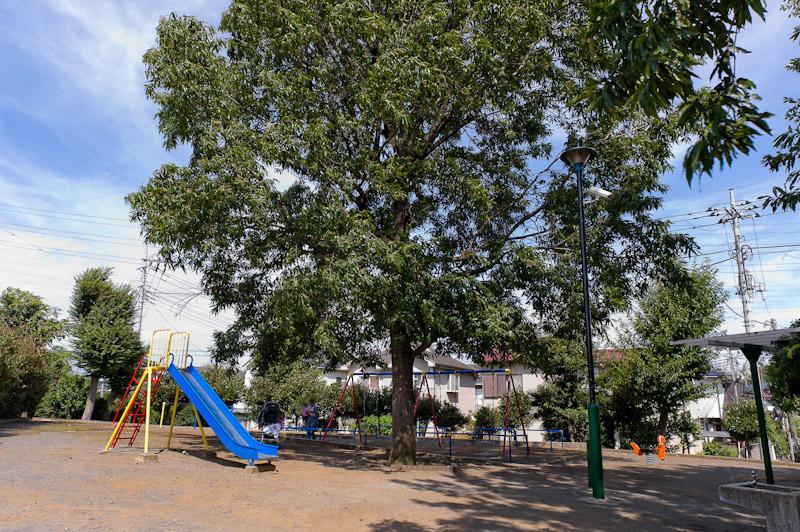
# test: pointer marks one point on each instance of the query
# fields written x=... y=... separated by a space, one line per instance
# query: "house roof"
x=765 y=340
x=448 y=362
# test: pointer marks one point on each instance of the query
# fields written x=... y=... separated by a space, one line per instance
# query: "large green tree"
x=417 y=134
x=787 y=145
x=104 y=341
x=654 y=380
x=27 y=311
x=28 y=327
x=783 y=372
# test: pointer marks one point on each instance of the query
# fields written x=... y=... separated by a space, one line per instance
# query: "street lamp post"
x=577 y=158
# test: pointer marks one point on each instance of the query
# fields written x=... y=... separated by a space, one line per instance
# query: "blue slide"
x=225 y=425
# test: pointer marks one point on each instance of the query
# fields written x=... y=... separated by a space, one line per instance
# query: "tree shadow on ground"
x=553 y=494
x=548 y=492
x=556 y=496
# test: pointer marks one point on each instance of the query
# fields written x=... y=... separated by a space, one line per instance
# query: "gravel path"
x=53 y=476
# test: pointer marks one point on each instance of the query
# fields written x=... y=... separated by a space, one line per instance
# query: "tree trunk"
x=404 y=442
x=87 y=411
x=662 y=423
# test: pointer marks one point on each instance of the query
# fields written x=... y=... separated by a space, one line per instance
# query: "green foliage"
x=27 y=367
x=291 y=386
x=27 y=311
x=652 y=378
x=787 y=144
x=375 y=402
x=783 y=372
x=778 y=439
x=487 y=417
x=424 y=208
x=370 y=424
x=561 y=401
x=226 y=381
x=741 y=420
x=25 y=372
x=713 y=448
x=104 y=340
x=451 y=417
x=447 y=414
x=66 y=398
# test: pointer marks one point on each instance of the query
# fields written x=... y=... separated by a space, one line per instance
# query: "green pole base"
x=595 y=454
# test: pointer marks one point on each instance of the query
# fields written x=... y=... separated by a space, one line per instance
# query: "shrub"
x=66 y=398
x=25 y=372
x=370 y=424
x=488 y=417
x=451 y=417
x=714 y=448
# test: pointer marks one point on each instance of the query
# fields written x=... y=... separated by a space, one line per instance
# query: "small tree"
x=741 y=421
x=654 y=377
x=447 y=414
x=560 y=403
x=104 y=340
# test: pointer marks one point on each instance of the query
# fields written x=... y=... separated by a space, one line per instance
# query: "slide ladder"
x=137 y=414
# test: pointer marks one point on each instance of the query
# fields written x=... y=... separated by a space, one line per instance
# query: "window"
x=452 y=382
x=373 y=383
x=338 y=380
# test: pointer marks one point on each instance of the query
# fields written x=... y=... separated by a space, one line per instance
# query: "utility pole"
x=742 y=253
x=142 y=292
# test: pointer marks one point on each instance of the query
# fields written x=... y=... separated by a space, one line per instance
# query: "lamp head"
x=598 y=193
x=579 y=155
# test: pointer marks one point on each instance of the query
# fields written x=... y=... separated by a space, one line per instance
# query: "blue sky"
x=77 y=134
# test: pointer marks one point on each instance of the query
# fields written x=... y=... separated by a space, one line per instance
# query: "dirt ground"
x=53 y=476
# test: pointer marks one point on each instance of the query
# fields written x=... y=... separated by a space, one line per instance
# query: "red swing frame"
x=349 y=383
x=511 y=388
x=424 y=378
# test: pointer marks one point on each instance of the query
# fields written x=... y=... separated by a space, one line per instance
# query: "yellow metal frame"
x=158 y=358
x=180 y=353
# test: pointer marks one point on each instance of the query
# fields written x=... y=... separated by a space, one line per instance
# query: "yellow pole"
x=147 y=412
x=161 y=421
x=125 y=413
x=200 y=424
x=172 y=420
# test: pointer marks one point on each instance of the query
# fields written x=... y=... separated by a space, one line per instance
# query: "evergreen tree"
x=104 y=341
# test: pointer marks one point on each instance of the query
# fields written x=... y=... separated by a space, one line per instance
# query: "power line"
x=71 y=219
x=35 y=228
x=91 y=216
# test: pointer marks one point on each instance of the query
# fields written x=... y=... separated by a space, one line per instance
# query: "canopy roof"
x=765 y=340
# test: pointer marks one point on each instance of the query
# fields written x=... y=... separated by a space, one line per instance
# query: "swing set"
x=510 y=389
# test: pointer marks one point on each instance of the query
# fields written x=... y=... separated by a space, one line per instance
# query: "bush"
x=778 y=439
x=714 y=448
x=451 y=417
x=741 y=420
x=370 y=424
x=25 y=372
x=488 y=417
x=66 y=398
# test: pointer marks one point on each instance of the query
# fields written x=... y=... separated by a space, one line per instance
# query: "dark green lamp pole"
x=753 y=353
x=577 y=158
